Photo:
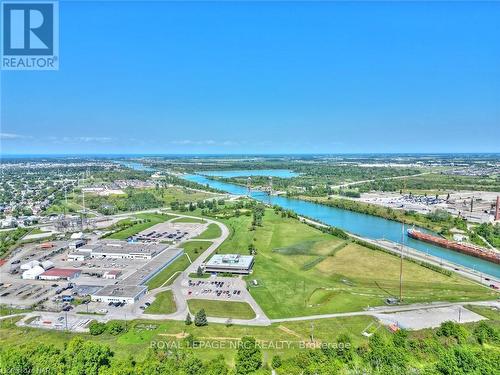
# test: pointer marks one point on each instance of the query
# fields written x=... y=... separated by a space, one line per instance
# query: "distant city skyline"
x=262 y=78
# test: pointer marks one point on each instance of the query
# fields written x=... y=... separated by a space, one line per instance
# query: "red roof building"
x=60 y=274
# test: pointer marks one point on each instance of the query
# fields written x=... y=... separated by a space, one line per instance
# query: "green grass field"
x=302 y=271
x=151 y=219
x=188 y=220
x=142 y=333
x=193 y=249
x=222 y=309
x=213 y=231
x=163 y=304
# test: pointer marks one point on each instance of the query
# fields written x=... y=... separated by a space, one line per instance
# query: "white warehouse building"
x=119 y=293
x=33 y=273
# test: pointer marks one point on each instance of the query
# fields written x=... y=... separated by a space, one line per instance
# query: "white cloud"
x=11 y=136
x=79 y=139
x=209 y=142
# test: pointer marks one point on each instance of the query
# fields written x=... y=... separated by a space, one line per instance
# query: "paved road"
x=378 y=311
x=383 y=313
x=180 y=287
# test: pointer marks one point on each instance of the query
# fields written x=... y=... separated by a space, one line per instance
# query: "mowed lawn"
x=163 y=304
x=222 y=309
x=193 y=249
x=302 y=271
x=212 y=232
x=188 y=220
x=150 y=220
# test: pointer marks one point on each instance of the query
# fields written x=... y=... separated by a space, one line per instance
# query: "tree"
x=115 y=328
x=344 y=347
x=248 y=357
x=96 y=328
x=193 y=366
x=200 y=319
x=485 y=333
x=199 y=272
x=216 y=366
x=86 y=357
x=276 y=362
x=188 y=320
x=452 y=329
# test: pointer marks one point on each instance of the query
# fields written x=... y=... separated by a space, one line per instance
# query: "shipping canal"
x=368 y=226
x=364 y=225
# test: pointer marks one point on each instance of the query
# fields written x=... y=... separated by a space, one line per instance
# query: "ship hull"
x=455 y=246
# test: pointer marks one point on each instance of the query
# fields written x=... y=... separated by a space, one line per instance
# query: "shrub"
x=96 y=328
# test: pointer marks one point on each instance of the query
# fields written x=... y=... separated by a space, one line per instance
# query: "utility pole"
x=249 y=182
x=65 y=200
x=83 y=204
x=401 y=264
x=312 y=331
x=270 y=188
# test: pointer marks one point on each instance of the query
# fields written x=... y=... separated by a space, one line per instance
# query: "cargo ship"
x=468 y=249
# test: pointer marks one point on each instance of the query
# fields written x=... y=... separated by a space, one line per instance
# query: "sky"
x=262 y=77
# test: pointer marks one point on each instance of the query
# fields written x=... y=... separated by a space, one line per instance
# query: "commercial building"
x=79 y=255
x=119 y=293
x=77 y=244
x=231 y=263
x=59 y=274
x=119 y=250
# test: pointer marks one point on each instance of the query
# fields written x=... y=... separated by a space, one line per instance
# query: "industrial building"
x=33 y=269
x=59 y=274
x=119 y=293
x=77 y=244
x=231 y=263
x=33 y=273
x=117 y=250
x=79 y=255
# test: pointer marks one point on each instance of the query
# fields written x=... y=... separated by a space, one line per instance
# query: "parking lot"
x=171 y=232
x=24 y=294
x=216 y=288
x=60 y=321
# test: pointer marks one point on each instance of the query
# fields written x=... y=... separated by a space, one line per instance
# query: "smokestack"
x=497 y=209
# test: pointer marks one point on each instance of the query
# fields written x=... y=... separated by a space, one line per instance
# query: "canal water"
x=364 y=225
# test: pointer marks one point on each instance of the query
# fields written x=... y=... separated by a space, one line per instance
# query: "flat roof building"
x=79 y=255
x=119 y=293
x=125 y=250
x=77 y=244
x=231 y=263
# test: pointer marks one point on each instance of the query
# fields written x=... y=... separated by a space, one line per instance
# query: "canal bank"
x=368 y=227
x=365 y=226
